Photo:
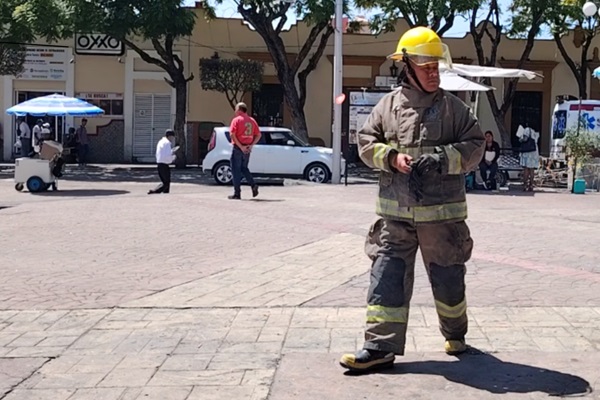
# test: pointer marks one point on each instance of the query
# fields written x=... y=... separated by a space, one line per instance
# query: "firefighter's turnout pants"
x=392 y=245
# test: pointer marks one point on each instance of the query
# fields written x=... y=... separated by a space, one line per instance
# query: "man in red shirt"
x=244 y=135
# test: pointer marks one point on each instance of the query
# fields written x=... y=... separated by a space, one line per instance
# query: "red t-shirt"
x=245 y=129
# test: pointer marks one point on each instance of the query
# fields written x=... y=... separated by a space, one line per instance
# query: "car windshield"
x=299 y=140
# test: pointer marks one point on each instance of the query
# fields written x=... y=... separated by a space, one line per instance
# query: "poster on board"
x=361 y=104
x=45 y=64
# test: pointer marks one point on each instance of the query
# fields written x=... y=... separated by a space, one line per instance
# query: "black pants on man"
x=164 y=173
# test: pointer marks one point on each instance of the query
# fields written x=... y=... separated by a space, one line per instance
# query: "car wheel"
x=317 y=173
x=222 y=173
x=501 y=179
x=19 y=187
x=35 y=184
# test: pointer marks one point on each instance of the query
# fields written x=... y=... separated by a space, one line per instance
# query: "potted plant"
x=582 y=145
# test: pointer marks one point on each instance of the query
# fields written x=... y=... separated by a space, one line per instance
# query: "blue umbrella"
x=55 y=105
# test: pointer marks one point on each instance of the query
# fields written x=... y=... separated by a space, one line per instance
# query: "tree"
x=568 y=16
x=527 y=18
x=21 y=21
x=162 y=23
x=233 y=77
x=439 y=15
x=268 y=18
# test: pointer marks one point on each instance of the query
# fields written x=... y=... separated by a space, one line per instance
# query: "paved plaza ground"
x=108 y=293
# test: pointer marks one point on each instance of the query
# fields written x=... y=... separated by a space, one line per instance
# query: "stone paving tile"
x=40 y=394
x=157 y=393
x=16 y=370
x=268 y=283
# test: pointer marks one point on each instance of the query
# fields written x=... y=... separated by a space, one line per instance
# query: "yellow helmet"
x=422 y=46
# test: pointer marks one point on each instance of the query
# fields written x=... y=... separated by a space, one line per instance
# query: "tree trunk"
x=292 y=99
x=180 y=120
x=500 y=119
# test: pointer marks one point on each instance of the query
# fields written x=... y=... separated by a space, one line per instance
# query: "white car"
x=278 y=154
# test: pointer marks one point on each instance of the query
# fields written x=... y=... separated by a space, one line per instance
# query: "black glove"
x=426 y=163
x=419 y=168
x=415 y=184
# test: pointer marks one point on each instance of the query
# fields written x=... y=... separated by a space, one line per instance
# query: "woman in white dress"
x=530 y=156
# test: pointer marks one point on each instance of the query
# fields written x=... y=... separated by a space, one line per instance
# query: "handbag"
x=528 y=146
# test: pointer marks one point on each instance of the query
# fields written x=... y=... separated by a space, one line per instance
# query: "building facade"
x=139 y=105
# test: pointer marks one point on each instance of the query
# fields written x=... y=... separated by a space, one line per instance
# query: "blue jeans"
x=239 y=168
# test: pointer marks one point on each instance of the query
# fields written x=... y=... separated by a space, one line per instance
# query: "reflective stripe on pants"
x=445 y=249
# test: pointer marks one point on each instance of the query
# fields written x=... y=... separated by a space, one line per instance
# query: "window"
x=279 y=138
x=111 y=103
x=262 y=140
x=560 y=125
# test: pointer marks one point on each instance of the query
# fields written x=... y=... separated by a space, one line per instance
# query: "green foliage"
x=12 y=58
x=233 y=77
x=148 y=19
x=582 y=145
x=21 y=21
x=527 y=17
x=438 y=14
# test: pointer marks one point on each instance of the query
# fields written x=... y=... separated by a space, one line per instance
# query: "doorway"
x=267 y=105
x=152 y=117
x=526 y=111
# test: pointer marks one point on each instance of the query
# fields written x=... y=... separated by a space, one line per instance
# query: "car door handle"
x=304 y=151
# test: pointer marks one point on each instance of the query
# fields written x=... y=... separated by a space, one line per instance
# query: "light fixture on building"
x=394 y=69
x=589 y=9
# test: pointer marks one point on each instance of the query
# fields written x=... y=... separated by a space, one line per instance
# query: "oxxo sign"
x=98 y=44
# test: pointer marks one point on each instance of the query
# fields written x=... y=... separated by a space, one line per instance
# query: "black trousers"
x=164 y=173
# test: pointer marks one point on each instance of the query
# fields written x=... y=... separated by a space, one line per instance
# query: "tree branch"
x=283 y=18
x=448 y=24
x=310 y=40
x=312 y=63
x=565 y=55
x=145 y=56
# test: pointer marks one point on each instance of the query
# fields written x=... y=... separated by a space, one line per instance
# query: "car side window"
x=279 y=138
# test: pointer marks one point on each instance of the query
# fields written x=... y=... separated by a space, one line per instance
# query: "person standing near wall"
x=83 y=143
x=25 y=135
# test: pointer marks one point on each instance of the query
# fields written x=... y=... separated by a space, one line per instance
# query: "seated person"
x=489 y=163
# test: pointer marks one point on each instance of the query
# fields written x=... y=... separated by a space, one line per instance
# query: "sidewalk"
x=186 y=296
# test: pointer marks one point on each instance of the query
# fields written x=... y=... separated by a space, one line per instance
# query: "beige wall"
x=230 y=36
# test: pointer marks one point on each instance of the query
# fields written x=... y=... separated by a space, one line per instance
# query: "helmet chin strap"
x=411 y=72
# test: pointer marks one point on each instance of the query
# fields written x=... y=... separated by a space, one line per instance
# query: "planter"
x=579 y=186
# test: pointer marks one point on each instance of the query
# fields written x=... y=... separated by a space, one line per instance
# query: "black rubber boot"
x=234 y=197
x=254 y=190
x=367 y=360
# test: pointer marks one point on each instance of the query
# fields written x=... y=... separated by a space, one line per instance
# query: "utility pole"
x=337 y=91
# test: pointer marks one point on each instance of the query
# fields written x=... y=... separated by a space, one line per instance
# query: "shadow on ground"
x=82 y=193
x=483 y=371
x=472 y=376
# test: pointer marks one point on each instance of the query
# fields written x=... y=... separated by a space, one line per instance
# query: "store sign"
x=99 y=96
x=98 y=44
x=45 y=64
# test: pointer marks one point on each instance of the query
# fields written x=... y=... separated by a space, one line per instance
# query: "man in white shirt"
x=36 y=135
x=164 y=157
x=25 y=136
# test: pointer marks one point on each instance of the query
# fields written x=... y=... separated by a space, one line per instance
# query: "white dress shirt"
x=164 y=152
x=25 y=131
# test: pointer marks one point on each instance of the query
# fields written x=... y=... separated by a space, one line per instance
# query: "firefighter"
x=423 y=140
